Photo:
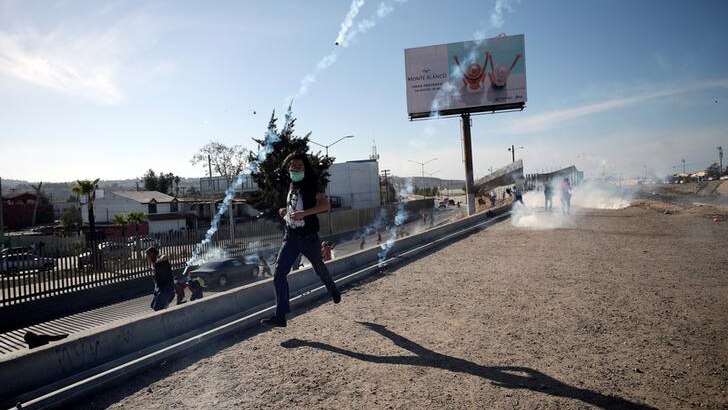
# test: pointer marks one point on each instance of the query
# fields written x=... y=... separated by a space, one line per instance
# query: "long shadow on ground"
x=513 y=377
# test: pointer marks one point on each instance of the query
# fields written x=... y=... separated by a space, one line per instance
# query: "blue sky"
x=110 y=89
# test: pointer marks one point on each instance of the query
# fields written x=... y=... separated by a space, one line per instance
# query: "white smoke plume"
x=348 y=20
x=399 y=219
x=449 y=90
x=588 y=195
x=271 y=137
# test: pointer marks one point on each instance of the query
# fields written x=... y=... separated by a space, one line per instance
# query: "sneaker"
x=274 y=321
x=336 y=296
x=181 y=301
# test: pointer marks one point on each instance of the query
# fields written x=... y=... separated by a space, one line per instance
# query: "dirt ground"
x=624 y=309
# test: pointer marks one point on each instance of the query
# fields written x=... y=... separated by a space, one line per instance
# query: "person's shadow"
x=513 y=377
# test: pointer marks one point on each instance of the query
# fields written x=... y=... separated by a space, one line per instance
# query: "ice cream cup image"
x=499 y=75
x=474 y=75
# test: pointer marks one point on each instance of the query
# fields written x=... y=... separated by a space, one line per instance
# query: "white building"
x=161 y=210
x=355 y=184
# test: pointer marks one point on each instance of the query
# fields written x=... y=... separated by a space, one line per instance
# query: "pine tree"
x=267 y=164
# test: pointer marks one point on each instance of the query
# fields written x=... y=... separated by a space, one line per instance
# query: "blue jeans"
x=163 y=296
x=293 y=246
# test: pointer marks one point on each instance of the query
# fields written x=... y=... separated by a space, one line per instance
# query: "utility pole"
x=468 y=156
x=720 y=157
x=37 y=200
x=386 y=185
x=683 y=164
x=209 y=186
x=513 y=152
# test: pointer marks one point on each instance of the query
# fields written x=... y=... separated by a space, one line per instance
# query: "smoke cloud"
x=588 y=195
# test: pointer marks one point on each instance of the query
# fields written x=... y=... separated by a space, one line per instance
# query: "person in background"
x=518 y=194
x=548 y=193
x=163 y=279
x=304 y=201
x=565 y=196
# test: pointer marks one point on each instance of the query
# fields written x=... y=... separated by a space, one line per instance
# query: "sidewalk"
x=626 y=309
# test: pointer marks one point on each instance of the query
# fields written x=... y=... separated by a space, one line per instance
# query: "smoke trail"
x=346 y=35
x=399 y=219
x=271 y=137
x=383 y=10
x=349 y=20
x=450 y=90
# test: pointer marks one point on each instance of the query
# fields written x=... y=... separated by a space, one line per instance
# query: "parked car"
x=16 y=249
x=141 y=243
x=221 y=272
x=23 y=261
x=108 y=251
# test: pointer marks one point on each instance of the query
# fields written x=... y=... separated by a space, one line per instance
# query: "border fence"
x=57 y=267
x=29 y=273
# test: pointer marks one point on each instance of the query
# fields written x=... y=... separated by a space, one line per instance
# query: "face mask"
x=296 y=176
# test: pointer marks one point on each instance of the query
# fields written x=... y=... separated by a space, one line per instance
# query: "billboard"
x=470 y=76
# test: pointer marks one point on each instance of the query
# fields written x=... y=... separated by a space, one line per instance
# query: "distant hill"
x=60 y=191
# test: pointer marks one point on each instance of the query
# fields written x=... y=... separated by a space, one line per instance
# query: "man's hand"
x=282 y=212
x=297 y=216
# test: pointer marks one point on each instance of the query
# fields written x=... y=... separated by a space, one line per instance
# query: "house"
x=161 y=210
x=18 y=210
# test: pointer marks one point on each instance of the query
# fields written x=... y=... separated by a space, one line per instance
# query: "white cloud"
x=545 y=121
x=85 y=65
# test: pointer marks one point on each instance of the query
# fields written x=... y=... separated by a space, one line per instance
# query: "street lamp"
x=513 y=149
x=330 y=145
x=422 y=164
x=720 y=156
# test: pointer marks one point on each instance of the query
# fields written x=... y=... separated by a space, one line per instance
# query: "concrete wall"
x=28 y=374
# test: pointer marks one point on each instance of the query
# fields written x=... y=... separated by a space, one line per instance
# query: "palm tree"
x=136 y=218
x=88 y=188
x=121 y=220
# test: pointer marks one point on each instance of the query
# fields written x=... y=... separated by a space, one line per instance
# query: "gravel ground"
x=622 y=309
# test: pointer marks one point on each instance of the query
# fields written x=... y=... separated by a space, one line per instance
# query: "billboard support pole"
x=468 y=154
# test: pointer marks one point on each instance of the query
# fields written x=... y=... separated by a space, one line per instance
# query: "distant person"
x=493 y=198
x=163 y=279
x=263 y=266
x=379 y=237
x=326 y=250
x=565 y=196
x=363 y=242
x=304 y=201
x=518 y=194
x=548 y=193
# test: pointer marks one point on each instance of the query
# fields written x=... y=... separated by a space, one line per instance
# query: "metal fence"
x=61 y=267
x=30 y=273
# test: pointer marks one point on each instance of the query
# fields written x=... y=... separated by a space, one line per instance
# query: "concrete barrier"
x=30 y=374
